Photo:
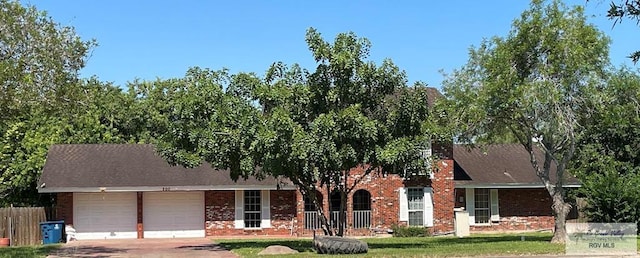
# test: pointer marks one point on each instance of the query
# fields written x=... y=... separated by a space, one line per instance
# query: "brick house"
x=127 y=191
x=498 y=186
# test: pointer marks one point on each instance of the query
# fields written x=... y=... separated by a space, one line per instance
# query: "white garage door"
x=105 y=215
x=173 y=215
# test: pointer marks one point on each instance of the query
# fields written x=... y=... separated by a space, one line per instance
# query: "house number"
x=166 y=189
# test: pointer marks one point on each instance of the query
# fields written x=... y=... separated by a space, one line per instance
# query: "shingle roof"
x=498 y=165
x=432 y=95
x=130 y=166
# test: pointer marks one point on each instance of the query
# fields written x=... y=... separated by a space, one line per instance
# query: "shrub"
x=404 y=231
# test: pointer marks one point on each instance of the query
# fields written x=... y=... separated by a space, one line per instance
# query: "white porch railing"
x=311 y=220
x=361 y=219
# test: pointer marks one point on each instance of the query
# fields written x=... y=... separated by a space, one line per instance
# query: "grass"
x=485 y=244
x=27 y=251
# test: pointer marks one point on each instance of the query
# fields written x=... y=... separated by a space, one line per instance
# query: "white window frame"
x=265 y=209
x=427 y=208
x=494 y=213
x=478 y=193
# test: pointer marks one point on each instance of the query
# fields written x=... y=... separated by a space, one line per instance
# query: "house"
x=110 y=191
x=499 y=188
x=127 y=191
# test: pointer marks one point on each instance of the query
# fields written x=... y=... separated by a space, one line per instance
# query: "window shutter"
x=428 y=207
x=239 y=222
x=404 y=205
x=470 y=206
x=266 y=209
x=495 y=214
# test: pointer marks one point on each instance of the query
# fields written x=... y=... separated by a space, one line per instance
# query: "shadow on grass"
x=300 y=245
x=210 y=247
x=28 y=251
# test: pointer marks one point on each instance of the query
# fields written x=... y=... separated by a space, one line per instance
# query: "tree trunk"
x=560 y=211
x=324 y=223
x=322 y=216
x=342 y=216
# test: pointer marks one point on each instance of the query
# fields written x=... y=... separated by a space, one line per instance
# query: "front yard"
x=476 y=245
x=27 y=251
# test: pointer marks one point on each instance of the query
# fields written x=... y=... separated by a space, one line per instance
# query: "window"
x=311 y=216
x=415 y=198
x=252 y=209
x=308 y=203
x=416 y=206
x=361 y=200
x=481 y=204
x=361 y=209
x=334 y=208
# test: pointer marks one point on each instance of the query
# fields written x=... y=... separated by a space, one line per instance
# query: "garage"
x=173 y=214
x=105 y=215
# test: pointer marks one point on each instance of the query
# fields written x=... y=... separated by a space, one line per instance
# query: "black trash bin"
x=52 y=231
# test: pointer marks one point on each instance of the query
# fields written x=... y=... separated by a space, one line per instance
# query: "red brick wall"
x=520 y=209
x=443 y=197
x=385 y=206
x=283 y=212
x=64 y=207
x=220 y=214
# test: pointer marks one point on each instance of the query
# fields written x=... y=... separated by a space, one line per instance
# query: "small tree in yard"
x=310 y=127
x=534 y=84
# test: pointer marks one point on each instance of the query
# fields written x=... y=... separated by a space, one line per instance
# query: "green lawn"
x=27 y=251
x=486 y=244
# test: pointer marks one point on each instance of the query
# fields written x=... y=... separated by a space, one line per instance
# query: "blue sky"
x=162 y=39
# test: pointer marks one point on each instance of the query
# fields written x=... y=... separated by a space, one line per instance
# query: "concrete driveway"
x=147 y=248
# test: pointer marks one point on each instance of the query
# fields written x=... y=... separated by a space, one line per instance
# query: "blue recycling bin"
x=52 y=231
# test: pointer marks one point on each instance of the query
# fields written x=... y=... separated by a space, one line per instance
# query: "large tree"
x=313 y=128
x=39 y=94
x=39 y=60
x=534 y=83
x=103 y=114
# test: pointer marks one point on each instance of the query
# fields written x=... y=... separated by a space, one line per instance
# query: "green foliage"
x=612 y=197
x=102 y=115
x=312 y=127
x=207 y=115
x=42 y=102
x=534 y=84
x=607 y=159
x=39 y=60
x=404 y=231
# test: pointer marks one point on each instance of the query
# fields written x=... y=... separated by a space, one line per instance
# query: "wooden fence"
x=24 y=224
